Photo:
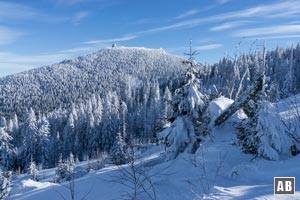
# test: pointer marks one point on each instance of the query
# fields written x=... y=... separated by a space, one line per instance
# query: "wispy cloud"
x=259 y=11
x=198 y=48
x=274 y=37
x=149 y=21
x=79 y=16
x=229 y=25
x=208 y=47
x=99 y=3
x=78 y=49
x=253 y=12
x=6 y=57
x=110 y=40
x=271 y=30
x=13 y=63
x=16 y=11
x=69 y=2
x=221 y=2
x=187 y=14
x=8 y=35
x=196 y=11
x=19 y=12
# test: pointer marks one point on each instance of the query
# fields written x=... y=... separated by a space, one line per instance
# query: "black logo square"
x=284 y=185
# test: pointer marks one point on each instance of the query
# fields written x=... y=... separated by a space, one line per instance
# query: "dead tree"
x=134 y=176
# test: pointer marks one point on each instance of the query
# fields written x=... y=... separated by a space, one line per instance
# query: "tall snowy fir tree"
x=33 y=171
x=6 y=149
x=69 y=136
x=15 y=132
x=118 y=150
x=124 y=119
x=167 y=110
x=89 y=144
x=188 y=106
x=43 y=139
x=30 y=132
x=289 y=79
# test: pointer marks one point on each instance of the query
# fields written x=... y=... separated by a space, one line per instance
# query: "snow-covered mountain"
x=115 y=69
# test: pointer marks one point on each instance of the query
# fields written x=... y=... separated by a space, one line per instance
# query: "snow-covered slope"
x=218 y=170
x=73 y=80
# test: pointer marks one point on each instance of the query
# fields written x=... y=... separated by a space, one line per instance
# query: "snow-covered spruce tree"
x=43 y=141
x=65 y=169
x=90 y=131
x=30 y=137
x=61 y=170
x=69 y=136
x=288 y=85
x=262 y=133
x=124 y=117
x=188 y=106
x=33 y=171
x=5 y=148
x=247 y=129
x=118 y=150
x=273 y=135
x=4 y=184
x=15 y=131
x=166 y=111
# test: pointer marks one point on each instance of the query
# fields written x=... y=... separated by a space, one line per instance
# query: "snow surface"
x=218 y=170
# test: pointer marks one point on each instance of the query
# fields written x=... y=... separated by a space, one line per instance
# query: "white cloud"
x=16 y=11
x=69 y=2
x=79 y=16
x=259 y=11
x=43 y=59
x=78 y=49
x=187 y=14
x=228 y=25
x=275 y=37
x=221 y=2
x=101 y=3
x=198 y=48
x=8 y=35
x=208 y=47
x=13 y=63
x=11 y=68
x=271 y=30
x=110 y=40
x=196 y=11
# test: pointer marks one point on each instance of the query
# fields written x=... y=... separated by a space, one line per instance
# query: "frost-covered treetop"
x=160 y=50
x=188 y=99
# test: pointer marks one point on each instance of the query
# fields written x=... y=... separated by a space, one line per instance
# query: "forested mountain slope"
x=119 y=69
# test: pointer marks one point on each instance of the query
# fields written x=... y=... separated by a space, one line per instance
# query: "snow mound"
x=217 y=106
x=37 y=185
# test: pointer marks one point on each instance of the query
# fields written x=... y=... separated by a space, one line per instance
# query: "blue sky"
x=36 y=33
